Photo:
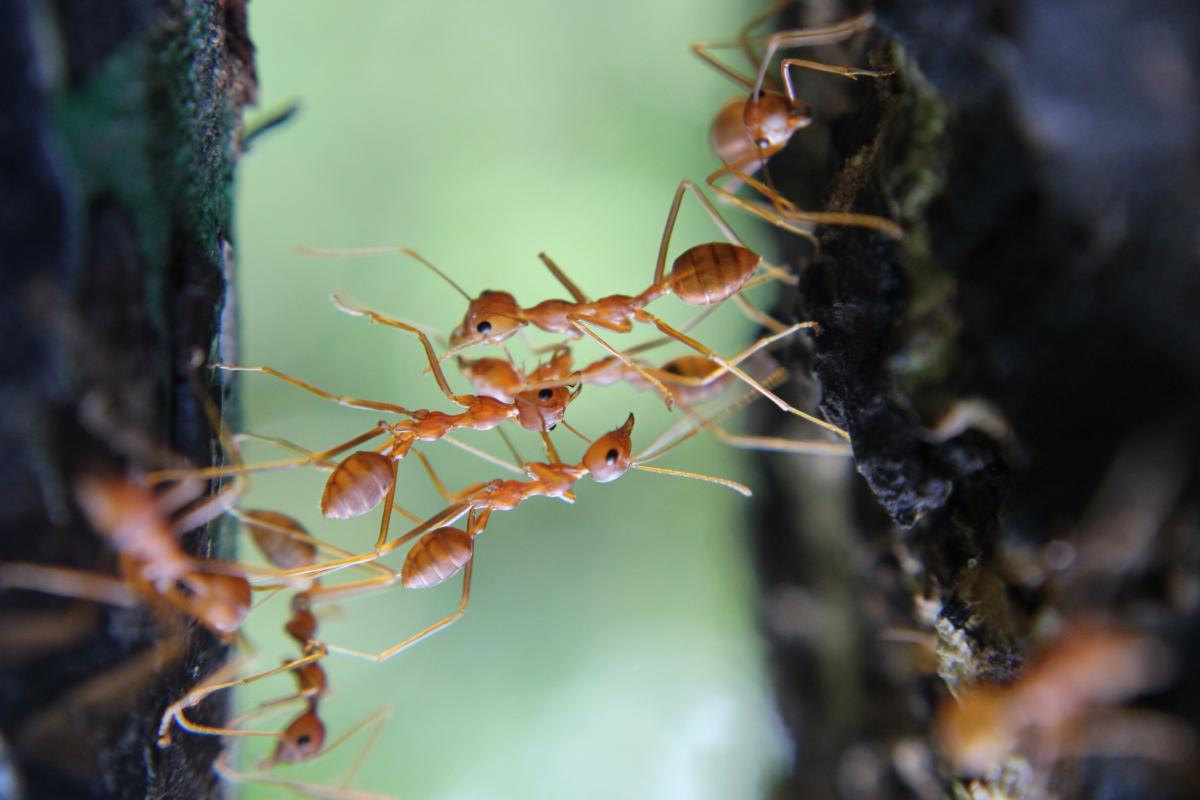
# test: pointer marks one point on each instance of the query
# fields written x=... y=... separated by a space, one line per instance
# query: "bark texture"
x=119 y=125
x=1043 y=160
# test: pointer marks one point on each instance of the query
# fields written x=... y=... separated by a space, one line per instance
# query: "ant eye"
x=545 y=394
x=484 y=326
x=611 y=456
x=304 y=740
x=552 y=427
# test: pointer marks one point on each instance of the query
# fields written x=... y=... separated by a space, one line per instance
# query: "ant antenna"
x=377 y=251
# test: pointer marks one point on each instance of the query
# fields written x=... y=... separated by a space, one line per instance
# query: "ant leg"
x=163 y=475
x=810 y=37
x=786 y=210
x=379 y=319
x=719 y=371
x=703 y=51
x=757 y=209
x=341 y=400
x=217 y=682
x=447 y=495
x=779 y=444
x=555 y=270
x=67 y=582
x=659 y=386
x=765 y=392
x=422 y=634
x=225 y=769
x=853 y=73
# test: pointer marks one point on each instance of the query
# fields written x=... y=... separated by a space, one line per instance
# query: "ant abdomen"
x=710 y=273
x=357 y=485
x=436 y=557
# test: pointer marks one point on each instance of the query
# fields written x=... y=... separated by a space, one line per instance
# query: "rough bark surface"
x=1044 y=160
x=118 y=135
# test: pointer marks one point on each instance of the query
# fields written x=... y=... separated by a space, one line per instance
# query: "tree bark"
x=118 y=140
x=1043 y=160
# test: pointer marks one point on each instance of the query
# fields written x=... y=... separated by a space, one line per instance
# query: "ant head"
x=220 y=602
x=302 y=740
x=771 y=118
x=491 y=318
x=542 y=409
x=611 y=455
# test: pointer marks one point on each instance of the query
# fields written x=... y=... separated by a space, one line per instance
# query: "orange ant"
x=748 y=130
x=692 y=380
x=144 y=529
x=302 y=739
x=1090 y=666
x=138 y=524
x=443 y=551
x=703 y=275
x=366 y=477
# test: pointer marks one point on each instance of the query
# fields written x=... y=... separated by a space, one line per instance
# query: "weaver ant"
x=366 y=477
x=705 y=275
x=442 y=551
x=303 y=738
x=749 y=129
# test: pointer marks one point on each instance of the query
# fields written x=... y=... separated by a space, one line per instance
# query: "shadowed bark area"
x=1043 y=160
x=118 y=135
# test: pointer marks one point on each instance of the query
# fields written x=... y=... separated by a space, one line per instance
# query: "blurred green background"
x=611 y=647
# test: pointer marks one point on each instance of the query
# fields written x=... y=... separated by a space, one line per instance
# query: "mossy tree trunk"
x=1043 y=160
x=119 y=133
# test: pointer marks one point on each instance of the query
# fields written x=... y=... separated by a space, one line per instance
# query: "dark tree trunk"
x=119 y=130
x=1043 y=160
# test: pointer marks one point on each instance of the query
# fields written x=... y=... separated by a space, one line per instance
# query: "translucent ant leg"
x=67 y=582
x=760 y=344
x=810 y=37
x=375 y=720
x=380 y=319
x=341 y=400
x=447 y=495
x=779 y=444
x=422 y=634
x=853 y=73
x=784 y=209
x=741 y=42
x=163 y=475
x=217 y=682
x=660 y=387
x=557 y=272
x=765 y=392
x=766 y=213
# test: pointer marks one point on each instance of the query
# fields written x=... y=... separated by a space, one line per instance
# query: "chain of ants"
x=143 y=522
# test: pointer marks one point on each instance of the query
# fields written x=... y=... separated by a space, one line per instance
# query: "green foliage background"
x=611 y=647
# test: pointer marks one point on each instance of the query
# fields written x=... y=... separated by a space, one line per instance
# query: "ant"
x=692 y=380
x=748 y=130
x=366 y=477
x=703 y=275
x=302 y=739
x=443 y=550
x=144 y=528
x=1089 y=667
